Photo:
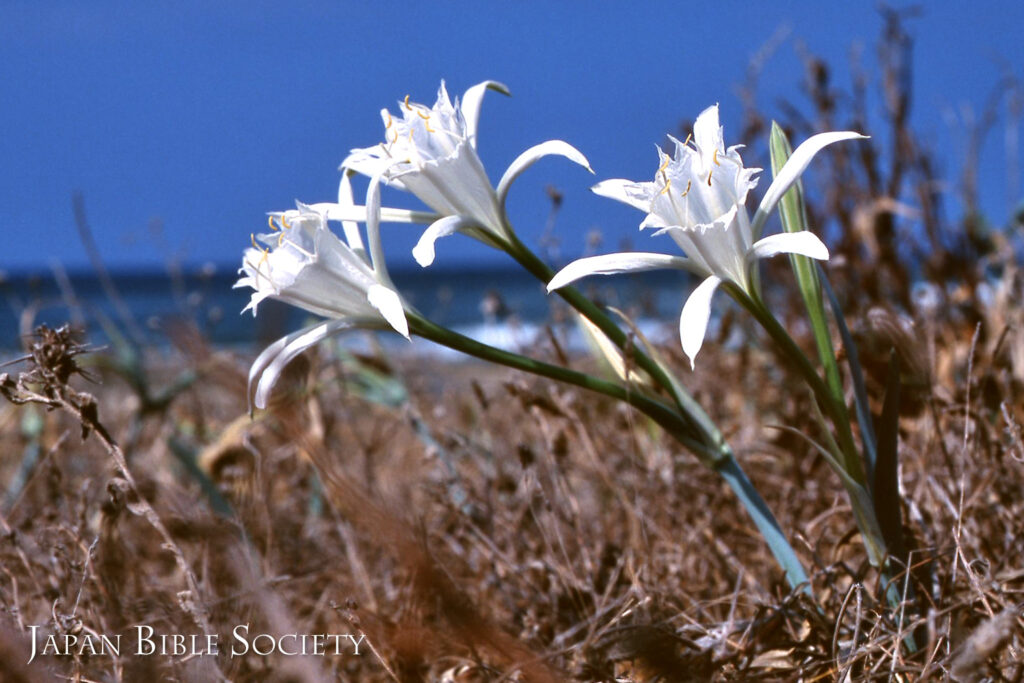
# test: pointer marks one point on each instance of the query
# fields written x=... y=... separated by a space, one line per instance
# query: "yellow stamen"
x=714 y=157
x=425 y=117
x=709 y=178
x=688 y=183
x=271 y=223
x=407 y=105
x=285 y=223
x=280 y=239
x=252 y=237
x=668 y=184
x=387 y=126
x=664 y=165
x=687 y=140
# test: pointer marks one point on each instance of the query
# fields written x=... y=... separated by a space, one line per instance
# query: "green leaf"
x=860 y=394
x=794 y=219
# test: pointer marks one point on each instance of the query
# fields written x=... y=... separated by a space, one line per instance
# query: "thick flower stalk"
x=432 y=153
x=305 y=264
x=698 y=197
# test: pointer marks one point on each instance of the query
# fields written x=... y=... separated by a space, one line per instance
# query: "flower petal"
x=792 y=171
x=470 y=105
x=342 y=212
x=423 y=252
x=269 y=365
x=637 y=195
x=609 y=264
x=346 y=198
x=387 y=301
x=693 y=323
x=805 y=243
x=531 y=156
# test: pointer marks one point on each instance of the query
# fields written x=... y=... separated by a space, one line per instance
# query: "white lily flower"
x=432 y=153
x=698 y=197
x=307 y=265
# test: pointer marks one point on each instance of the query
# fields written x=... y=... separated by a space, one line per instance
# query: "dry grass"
x=495 y=527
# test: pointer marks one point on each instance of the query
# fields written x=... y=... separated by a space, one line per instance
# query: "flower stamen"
x=272 y=224
x=407 y=105
x=687 y=190
x=714 y=157
x=668 y=186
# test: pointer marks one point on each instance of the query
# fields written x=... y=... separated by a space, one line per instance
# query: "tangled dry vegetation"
x=490 y=527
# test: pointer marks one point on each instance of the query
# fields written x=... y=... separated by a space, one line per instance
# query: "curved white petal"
x=693 y=323
x=531 y=156
x=609 y=264
x=373 y=230
x=793 y=169
x=341 y=212
x=269 y=365
x=423 y=252
x=805 y=243
x=346 y=198
x=625 y=191
x=387 y=301
x=470 y=105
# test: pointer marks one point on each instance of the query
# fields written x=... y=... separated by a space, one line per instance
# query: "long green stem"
x=853 y=476
x=692 y=410
x=721 y=461
x=836 y=410
x=662 y=414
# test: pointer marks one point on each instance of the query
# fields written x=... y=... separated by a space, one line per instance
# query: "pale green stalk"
x=794 y=219
x=713 y=450
x=719 y=459
x=851 y=471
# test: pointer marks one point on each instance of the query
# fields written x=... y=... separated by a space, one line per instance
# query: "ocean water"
x=503 y=307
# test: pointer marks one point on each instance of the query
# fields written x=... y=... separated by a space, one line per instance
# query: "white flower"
x=431 y=152
x=698 y=198
x=307 y=265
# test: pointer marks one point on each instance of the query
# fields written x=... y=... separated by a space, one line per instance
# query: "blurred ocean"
x=503 y=307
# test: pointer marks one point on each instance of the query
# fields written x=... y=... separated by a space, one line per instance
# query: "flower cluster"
x=432 y=153
x=305 y=264
x=698 y=197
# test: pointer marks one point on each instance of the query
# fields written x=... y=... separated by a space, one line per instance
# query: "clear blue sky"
x=207 y=115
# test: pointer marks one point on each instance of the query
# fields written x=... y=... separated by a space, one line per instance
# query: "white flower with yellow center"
x=698 y=197
x=432 y=153
x=304 y=264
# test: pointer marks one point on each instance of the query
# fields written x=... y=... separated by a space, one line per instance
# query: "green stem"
x=692 y=411
x=720 y=459
x=855 y=480
x=835 y=409
x=662 y=414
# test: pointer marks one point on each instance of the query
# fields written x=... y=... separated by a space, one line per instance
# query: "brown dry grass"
x=493 y=527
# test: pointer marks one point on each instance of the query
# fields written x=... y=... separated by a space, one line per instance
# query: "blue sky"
x=206 y=115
